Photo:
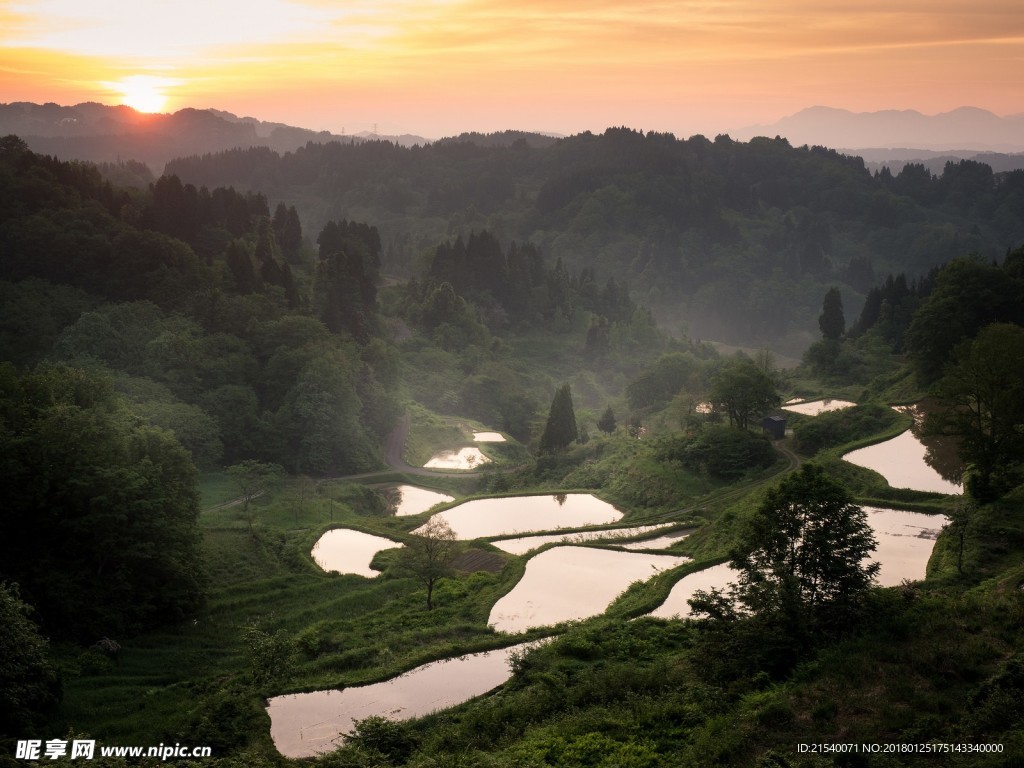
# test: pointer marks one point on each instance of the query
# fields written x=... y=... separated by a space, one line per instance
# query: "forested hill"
x=198 y=309
x=739 y=240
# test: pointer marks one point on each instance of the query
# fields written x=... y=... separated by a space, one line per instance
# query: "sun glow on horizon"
x=143 y=93
x=437 y=67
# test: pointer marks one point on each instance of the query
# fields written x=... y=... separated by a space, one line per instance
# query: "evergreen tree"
x=607 y=421
x=832 y=322
x=560 y=431
x=288 y=230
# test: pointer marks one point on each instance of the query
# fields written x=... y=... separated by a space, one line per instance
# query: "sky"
x=440 y=67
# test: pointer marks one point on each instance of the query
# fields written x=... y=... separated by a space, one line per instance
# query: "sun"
x=143 y=93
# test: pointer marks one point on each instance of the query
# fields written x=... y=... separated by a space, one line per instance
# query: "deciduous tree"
x=428 y=557
x=98 y=523
x=982 y=399
x=744 y=391
x=803 y=556
x=253 y=479
x=28 y=683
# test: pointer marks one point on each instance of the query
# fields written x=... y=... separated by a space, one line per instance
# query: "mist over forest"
x=204 y=370
x=738 y=241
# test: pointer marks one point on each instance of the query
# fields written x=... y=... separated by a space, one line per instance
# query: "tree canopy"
x=744 y=391
x=802 y=575
x=982 y=404
x=28 y=682
x=99 y=519
x=804 y=551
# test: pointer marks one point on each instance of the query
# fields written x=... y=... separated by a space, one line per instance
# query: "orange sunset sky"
x=439 y=67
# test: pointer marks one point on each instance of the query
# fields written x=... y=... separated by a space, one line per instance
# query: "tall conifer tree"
x=560 y=431
x=832 y=321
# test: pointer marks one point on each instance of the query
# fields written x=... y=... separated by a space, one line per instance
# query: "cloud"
x=603 y=56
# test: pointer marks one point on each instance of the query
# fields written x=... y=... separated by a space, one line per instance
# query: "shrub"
x=728 y=453
x=838 y=427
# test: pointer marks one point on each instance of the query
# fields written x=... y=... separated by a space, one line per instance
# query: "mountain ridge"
x=962 y=129
x=100 y=133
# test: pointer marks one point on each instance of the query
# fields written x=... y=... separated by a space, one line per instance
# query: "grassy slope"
x=623 y=692
x=350 y=629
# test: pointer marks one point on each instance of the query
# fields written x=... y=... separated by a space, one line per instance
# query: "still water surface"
x=526 y=544
x=526 y=514
x=568 y=583
x=489 y=437
x=342 y=550
x=661 y=542
x=814 y=407
x=901 y=461
x=306 y=724
x=464 y=458
x=411 y=500
x=715 y=577
x=905 y=542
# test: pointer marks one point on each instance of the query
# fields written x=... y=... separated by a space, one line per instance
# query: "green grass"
x=907 y=674
x=216 y=488
x=350 y=629
x=430 y=432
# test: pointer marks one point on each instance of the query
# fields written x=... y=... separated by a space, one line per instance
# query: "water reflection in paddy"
x=525 y=514
x=412 y=500
x=905 y=543
x=661 y=542
x=306 y=724
x=346 y=551
x=587 y=581
x=814 y=407
x=526 y=544
x=464 y=458
x=715 y=577
x=901 y=461
x=489 y=437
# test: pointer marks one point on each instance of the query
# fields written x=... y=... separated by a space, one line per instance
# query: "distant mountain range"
x=960 y=130
x=101 y=133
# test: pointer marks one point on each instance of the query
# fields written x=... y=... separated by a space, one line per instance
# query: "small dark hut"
x=774 y=426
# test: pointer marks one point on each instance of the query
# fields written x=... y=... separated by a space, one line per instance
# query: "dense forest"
x=203 y=373
x=695 y=226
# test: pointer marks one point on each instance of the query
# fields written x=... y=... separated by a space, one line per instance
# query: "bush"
x=726 y=452
x=378 y=734
x=838 y=427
